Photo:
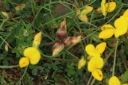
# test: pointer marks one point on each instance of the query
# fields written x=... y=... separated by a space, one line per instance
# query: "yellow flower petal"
x=101 y=47
x=32 y=54
x=81 y=62
x=23 y=62
x=83 y=13
x=97 y=74
x=95 y=63
x=114 y=81
x=125 y=18
x=103 y=8
x=37 y=39
x=121 y=27
x=34 y=59
x=83 y=18
x=88 y=9
x=125 y=84
x=110 y=6
x=31 y=51
x=91 y=50
x=108 y=33
x=107 y=26
x=125 y=13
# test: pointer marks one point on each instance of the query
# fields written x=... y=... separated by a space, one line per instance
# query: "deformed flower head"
x=62 y=31
x=97 y=74
x=23 y=62
x=75 y=40
x=81 y=62
x=57 y=48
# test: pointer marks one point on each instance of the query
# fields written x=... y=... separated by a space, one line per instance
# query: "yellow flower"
x=32 y=54
x=95 y=51
x=125 y=16
x=121 y=27
x=97 y=74
x=81 y=62
x=37 y=39
x=115 y=81
x=95 y=63
x=23 y=62
x=82 y=16
x=108 y=30
x=106 y=7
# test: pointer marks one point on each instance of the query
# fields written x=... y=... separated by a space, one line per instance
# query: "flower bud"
x=57 y=48
x=81 y=63
x=37 y=39
x=24 y=62
x=5 y=14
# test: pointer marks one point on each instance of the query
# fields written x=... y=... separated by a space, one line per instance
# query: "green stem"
x=114 y=63
x=9 y=66
x=18 y=83
x=93 y=81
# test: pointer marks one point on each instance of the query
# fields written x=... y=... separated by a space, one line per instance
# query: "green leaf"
x=1 y=57
x=124 y=77
x=34 y=71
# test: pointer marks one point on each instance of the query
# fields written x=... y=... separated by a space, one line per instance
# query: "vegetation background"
x=17 y=32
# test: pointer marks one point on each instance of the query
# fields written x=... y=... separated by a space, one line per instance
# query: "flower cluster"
x=121 y=27
x=106 y=7
x=31 y=54
x=96 y=63
x=65 y=40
